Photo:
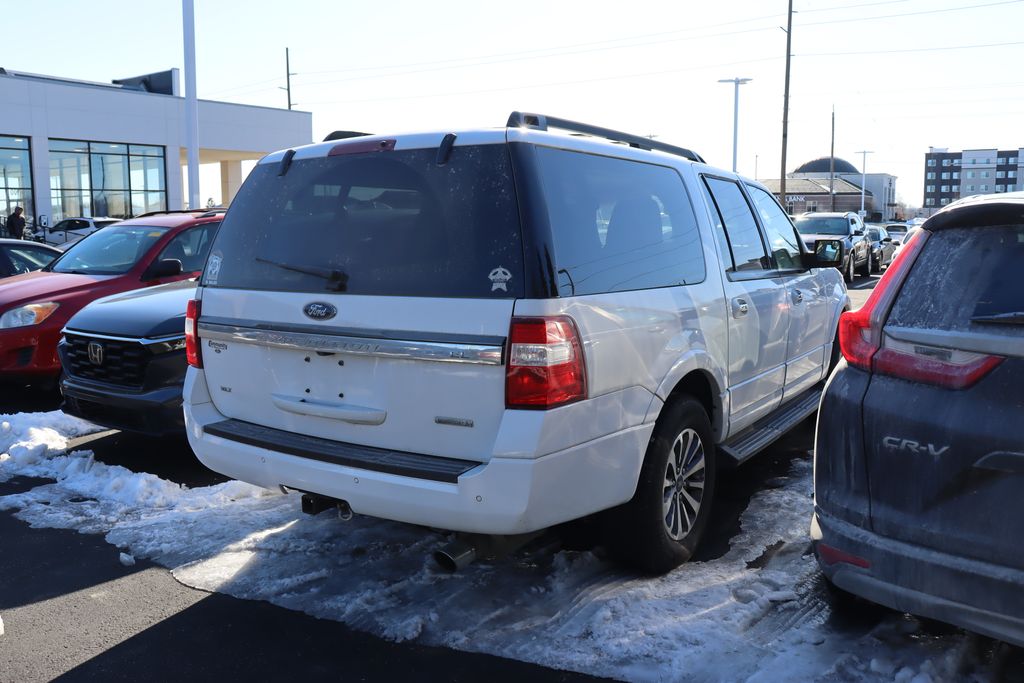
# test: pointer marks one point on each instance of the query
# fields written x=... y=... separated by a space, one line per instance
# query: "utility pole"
x=287 y=78
x=832 y=164
x=737 y=82
x=191 y=103
x=785 y=105
x=863 y=177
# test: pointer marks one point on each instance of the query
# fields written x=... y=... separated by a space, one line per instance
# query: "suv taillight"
x=545 y=363
x=192 y=351
x=860 y=331
x=865 y=346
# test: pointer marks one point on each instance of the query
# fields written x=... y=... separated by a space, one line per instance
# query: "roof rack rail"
x=206 y=212
x=542 y=122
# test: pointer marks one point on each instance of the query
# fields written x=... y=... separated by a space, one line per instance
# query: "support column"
x=39 y=153
x=174 y=175
x=230 y=180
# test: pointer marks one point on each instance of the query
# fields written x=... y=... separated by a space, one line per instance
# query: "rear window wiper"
x=337 y=280
x=1009 y=318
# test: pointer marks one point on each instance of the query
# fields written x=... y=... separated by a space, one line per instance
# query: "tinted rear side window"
x=966 y=279
x=381 y=223
x=618 y=225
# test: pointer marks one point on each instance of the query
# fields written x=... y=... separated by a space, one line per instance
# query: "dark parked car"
x=124 y=360
x=19 y=256
x=919 y=459
x=883 y=247
x=846 y=226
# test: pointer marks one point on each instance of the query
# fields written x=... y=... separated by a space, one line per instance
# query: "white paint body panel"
x=538 y=468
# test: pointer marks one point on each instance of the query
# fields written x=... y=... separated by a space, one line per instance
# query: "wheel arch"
x=696 y=376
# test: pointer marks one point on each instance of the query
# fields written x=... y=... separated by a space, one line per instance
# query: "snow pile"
x=26 y=439
x=757 y=613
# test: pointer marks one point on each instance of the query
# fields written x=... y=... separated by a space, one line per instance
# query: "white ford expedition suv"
x=497 y=331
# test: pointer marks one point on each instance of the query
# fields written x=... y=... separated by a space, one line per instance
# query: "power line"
x=919 y=49
x=701 y=67
x=912 y=14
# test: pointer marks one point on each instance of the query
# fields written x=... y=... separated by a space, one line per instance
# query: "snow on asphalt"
x=758 y=613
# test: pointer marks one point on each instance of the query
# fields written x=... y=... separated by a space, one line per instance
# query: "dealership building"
x=76 y=148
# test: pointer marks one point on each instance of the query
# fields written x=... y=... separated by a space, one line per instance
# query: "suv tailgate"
x=365 y=297
x=946 y=466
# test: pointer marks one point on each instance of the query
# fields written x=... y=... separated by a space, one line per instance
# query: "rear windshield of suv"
x=966 y=279
x=822 y=226
x=390 y=223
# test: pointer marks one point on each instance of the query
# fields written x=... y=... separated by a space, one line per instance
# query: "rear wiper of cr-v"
x=337 y=281
x=1010 y=318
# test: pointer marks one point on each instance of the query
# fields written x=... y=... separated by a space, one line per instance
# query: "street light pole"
x=191 y=103
x=737 y=82
x=863 y=177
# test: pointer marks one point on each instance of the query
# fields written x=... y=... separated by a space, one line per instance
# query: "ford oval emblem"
x=318 y=310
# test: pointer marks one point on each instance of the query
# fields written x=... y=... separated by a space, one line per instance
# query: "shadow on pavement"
x=222 y=638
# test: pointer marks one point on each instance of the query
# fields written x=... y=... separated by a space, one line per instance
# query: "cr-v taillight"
x=192 y=352
x=866 y=346
x=545 y=363
x=860 y=331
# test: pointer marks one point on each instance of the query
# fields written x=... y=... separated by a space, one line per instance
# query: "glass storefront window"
x=15 y=178
x=106 y=179
x=147 y=173
x=109 y=172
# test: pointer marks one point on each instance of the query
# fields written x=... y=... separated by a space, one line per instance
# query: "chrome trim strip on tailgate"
x=443 y=352
x=402 y=463
x=975 y=341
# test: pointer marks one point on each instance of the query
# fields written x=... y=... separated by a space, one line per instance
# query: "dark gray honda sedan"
x=919 y=454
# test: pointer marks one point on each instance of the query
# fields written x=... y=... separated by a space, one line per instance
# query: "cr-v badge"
x=318 y=310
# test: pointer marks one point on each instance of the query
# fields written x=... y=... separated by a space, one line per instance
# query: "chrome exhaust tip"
x=455 y=556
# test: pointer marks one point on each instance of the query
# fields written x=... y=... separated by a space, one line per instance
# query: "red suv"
x=150 y=250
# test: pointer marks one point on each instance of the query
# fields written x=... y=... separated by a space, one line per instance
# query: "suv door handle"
x=740 y=307
x=798 y=296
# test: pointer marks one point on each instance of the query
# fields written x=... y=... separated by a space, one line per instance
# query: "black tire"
x=876 y=265
x=848 y=271
x=640 y=533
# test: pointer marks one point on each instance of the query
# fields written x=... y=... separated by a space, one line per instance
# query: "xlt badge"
x=319 y=310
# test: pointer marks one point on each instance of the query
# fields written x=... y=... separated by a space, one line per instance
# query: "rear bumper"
x=978 y=596
x=156 y=413
x=500 y=496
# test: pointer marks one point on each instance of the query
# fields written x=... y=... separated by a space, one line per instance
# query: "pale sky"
x=901 y=74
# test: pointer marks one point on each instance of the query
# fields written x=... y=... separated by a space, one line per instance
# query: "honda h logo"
x=96 y=353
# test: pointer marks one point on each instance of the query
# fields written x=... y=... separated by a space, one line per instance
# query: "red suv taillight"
x=192 y=351
x=864 y=345
x=545 y=363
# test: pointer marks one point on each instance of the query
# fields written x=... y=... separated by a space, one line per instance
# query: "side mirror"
x=897 y=242
x=887 y=239
x=168 y=267
x=858 y=233
x=827 y=254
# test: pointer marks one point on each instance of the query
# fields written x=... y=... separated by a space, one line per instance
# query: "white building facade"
x=73 y=148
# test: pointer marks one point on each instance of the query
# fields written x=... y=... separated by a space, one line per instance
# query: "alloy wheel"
x=684 y=484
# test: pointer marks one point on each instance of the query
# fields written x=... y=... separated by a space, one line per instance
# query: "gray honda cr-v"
x=919 y=460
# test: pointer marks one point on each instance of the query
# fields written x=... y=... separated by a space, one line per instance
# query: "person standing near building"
x=16 y=224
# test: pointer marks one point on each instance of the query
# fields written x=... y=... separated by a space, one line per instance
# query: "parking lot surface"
x=124 y=558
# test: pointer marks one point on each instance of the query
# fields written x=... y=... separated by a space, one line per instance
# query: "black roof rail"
x=206 y=212
x=543 y=122
x=344 y=135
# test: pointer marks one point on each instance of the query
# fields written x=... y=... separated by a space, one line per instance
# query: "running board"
x=766 y=431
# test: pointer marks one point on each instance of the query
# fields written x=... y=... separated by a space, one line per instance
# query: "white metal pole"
x=863 y=176
x=737 y=82
x=191 y=103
